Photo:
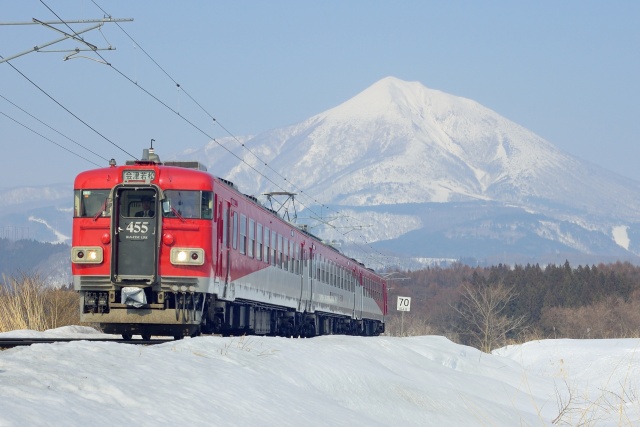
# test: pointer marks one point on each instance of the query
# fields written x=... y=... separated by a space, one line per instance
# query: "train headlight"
x=187 y=256
x=86 y=255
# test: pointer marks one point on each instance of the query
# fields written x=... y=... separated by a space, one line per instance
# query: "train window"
x=333 y=274
x=326 y=272
x=291 y=257
x=285 y=254
x=206 y=205
x=279 y=255
x=325 y=268
x=334 y=282
x=252 y=237
x=234 y=236
x=267 y=251
x=296 y=257
x=259 y=241
x=243 y=234
x=136 y=202
x=225 y=224
x=274 y=247
x=91 y=203
x=190 y=203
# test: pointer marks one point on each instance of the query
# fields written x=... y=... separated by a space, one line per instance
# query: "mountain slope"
x=399 y=142
x=415 y=172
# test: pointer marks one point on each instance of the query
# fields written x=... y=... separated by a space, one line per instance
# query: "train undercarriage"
x=180 y=314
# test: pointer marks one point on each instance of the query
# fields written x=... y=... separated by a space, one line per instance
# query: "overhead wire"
x=50 y=140
x=56 y=131
x=243 y=145
x=66 y=109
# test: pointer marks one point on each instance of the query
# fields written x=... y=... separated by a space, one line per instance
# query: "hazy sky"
x=567 y=70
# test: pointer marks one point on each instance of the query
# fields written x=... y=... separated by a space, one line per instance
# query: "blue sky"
x=567 y=70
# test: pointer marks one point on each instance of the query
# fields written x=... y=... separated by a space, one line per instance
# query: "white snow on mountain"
x=400 y=142
x=60 y=238
x=18 y=195
x=371 y=169
x=369 y=225
x=620 y=236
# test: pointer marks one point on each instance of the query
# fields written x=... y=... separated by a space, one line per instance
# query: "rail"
x=17 y=342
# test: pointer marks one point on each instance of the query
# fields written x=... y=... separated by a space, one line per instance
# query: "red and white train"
x=169 y=249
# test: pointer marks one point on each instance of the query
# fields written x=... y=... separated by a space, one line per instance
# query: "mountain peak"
x=400 y=142
x=390 y=97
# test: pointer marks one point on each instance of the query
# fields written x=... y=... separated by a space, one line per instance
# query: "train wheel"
x=127 y=337
x=146 y=337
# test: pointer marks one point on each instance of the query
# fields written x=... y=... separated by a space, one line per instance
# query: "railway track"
x=17 y=342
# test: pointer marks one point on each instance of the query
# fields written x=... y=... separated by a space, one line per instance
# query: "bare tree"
x=482 y=310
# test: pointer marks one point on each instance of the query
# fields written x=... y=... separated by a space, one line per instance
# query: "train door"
x=359 y=295
x=221 y=238
x=135 y=238
x=305 y=295
x=228 y=227
x=225 y=256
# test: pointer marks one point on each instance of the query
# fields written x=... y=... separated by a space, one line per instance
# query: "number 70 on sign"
x=404 y=303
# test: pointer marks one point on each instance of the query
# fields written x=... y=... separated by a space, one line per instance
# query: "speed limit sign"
x=404 y=303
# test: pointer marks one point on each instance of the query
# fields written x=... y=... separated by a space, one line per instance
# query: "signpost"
x=404 y=304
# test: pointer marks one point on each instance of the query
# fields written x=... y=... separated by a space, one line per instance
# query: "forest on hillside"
x=492 y=306
x=25 y=256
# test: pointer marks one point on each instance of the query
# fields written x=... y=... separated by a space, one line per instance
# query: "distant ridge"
x=399 y=143
x=420 y=174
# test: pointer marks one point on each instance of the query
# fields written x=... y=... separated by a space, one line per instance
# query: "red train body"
x=207 y=258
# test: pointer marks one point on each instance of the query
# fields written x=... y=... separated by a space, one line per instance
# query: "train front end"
x=141 y=248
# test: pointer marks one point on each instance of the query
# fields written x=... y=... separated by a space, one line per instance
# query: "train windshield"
x=92 y=203
x=190 y=204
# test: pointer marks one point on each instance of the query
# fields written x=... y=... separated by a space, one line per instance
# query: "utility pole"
x=73 y=35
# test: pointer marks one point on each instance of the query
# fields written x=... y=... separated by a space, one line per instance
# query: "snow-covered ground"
x=333 y=380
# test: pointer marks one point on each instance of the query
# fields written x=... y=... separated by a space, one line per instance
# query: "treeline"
x=492 y=306
x=24 y=256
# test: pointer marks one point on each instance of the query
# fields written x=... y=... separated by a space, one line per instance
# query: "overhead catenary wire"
x=243 y=145
x=67 y=110
x=293 y=185
x=53 y=129
x=50 y=140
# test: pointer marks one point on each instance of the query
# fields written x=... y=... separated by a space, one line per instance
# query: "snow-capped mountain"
x=399 y=143
x=42 y=213
x=413 y=173
x=420 y=145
